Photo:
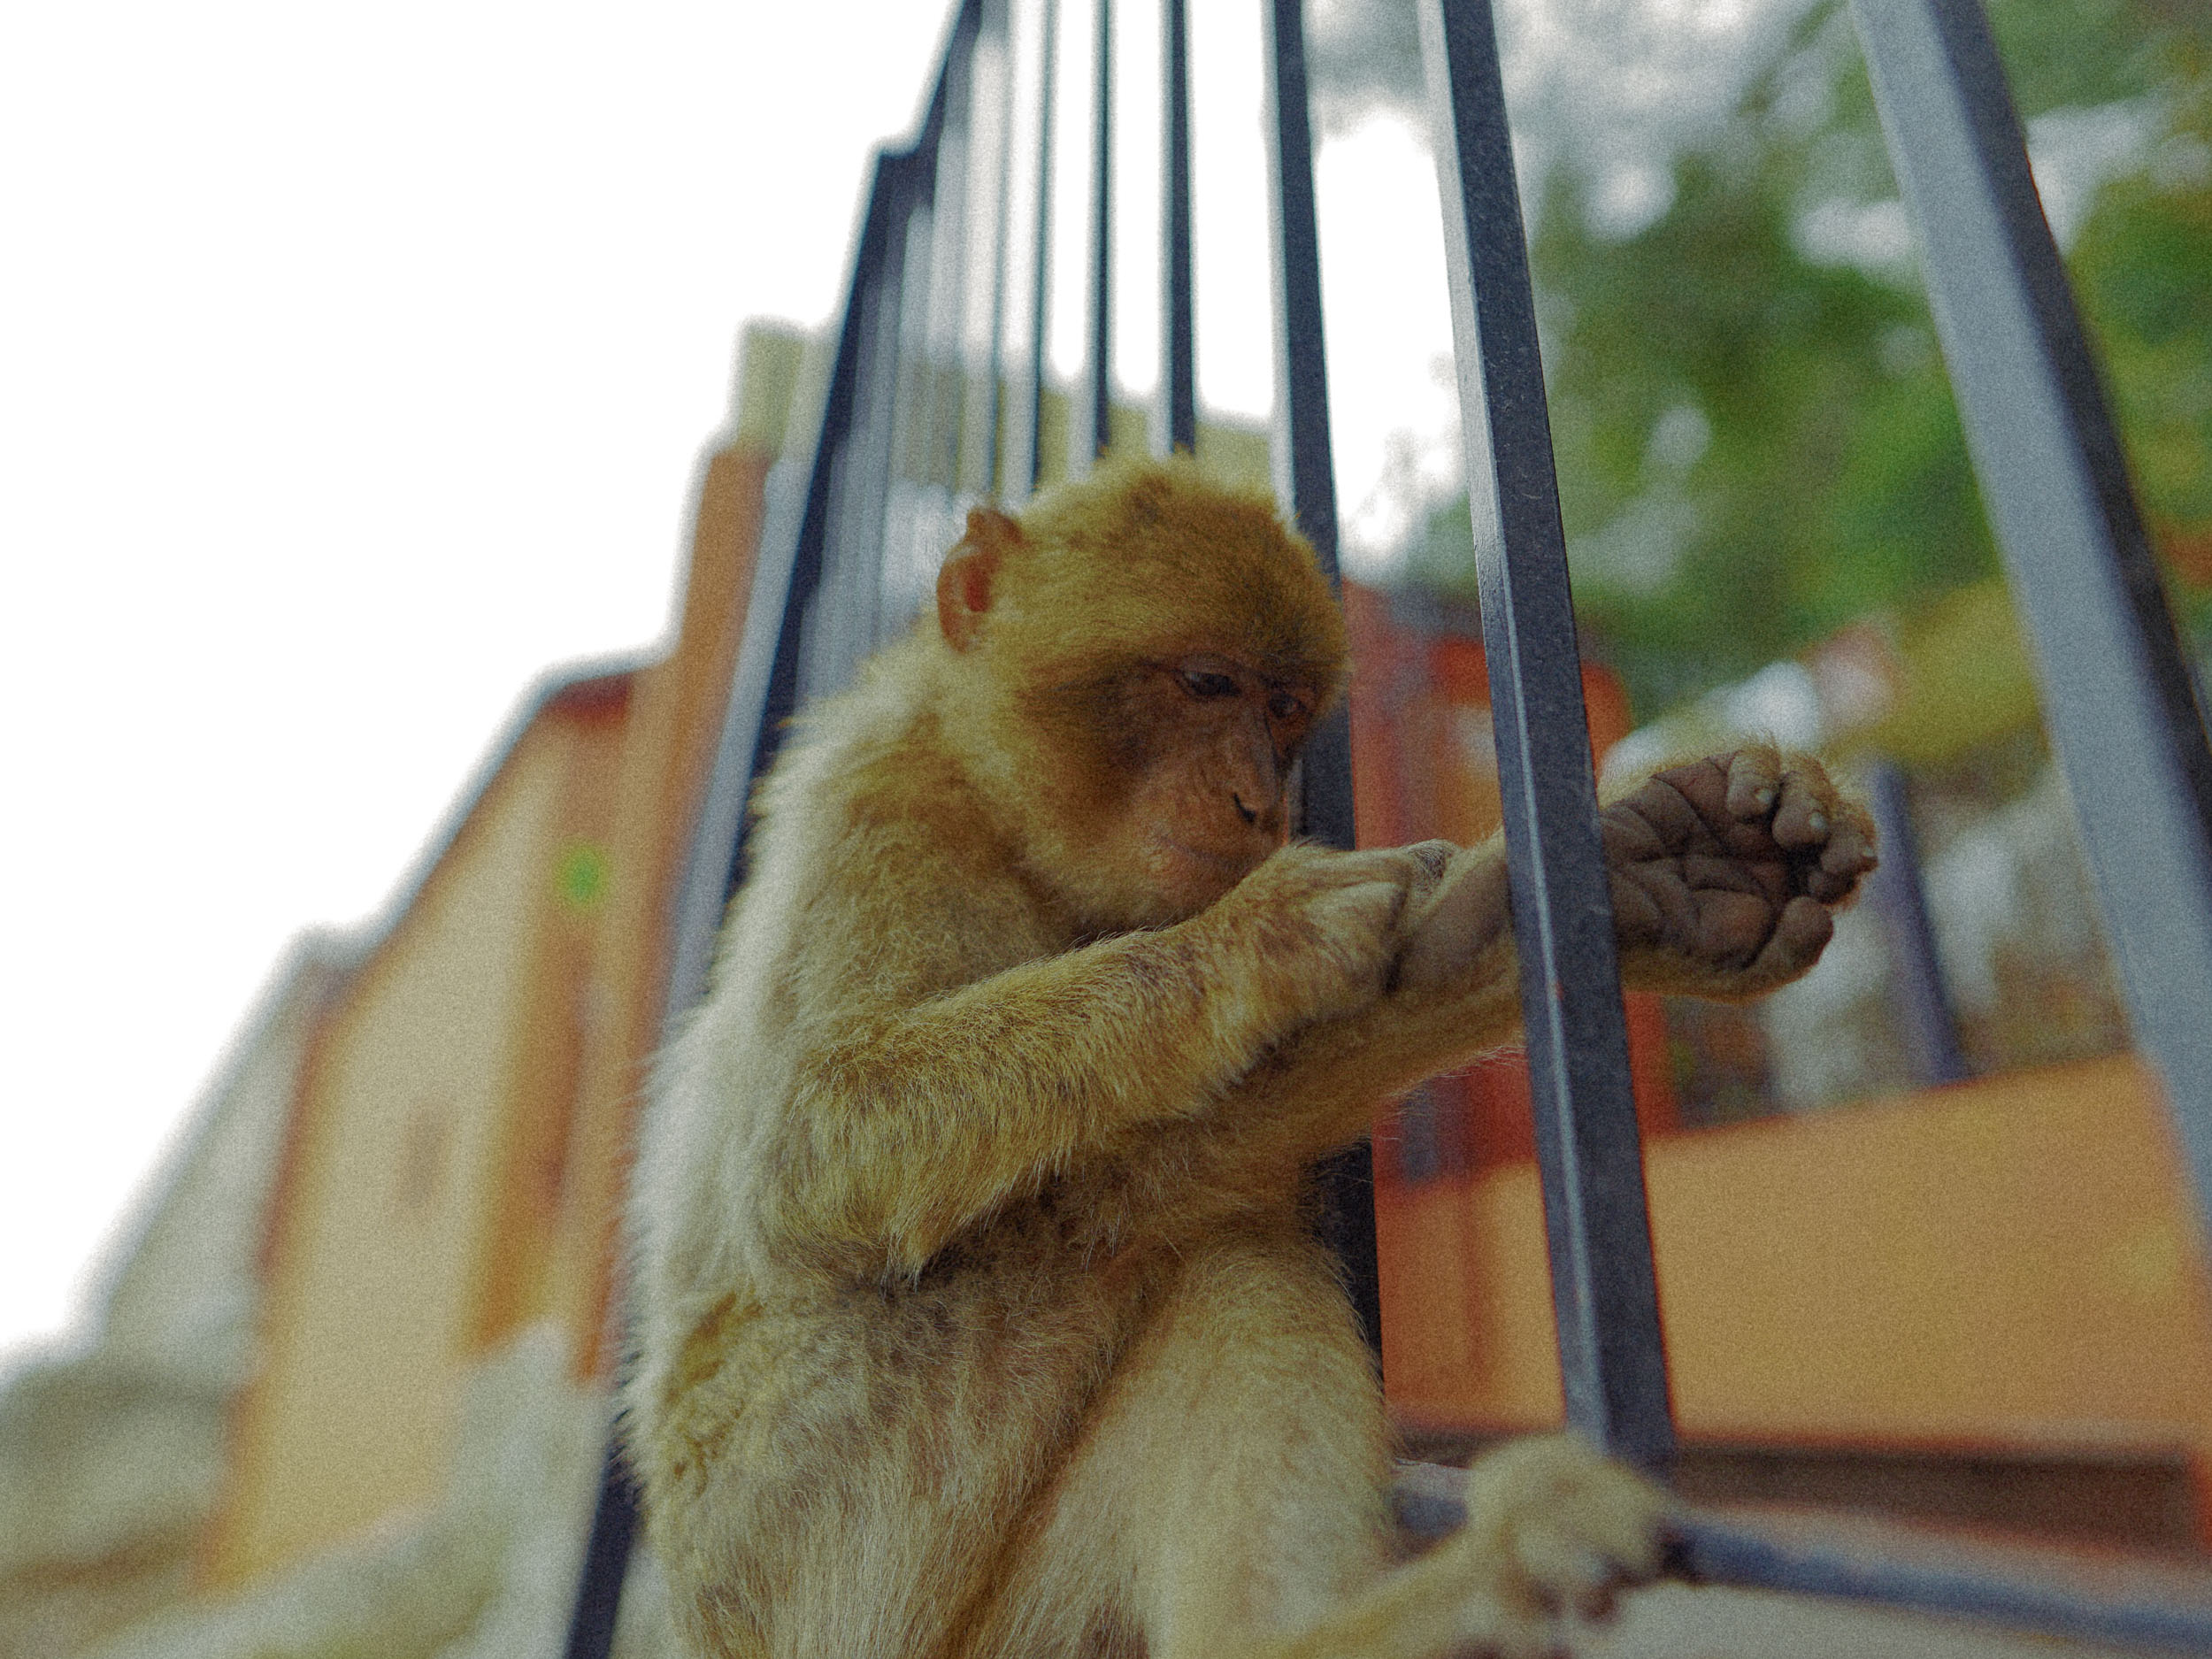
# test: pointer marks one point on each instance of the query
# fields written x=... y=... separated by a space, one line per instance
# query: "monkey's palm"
x=1724 y=870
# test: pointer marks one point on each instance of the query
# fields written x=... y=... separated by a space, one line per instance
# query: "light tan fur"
x=978 y=1311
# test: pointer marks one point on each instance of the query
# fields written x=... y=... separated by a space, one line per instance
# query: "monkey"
x=978 y=1312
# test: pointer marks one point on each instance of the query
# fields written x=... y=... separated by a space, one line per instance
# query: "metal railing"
x=915 y=423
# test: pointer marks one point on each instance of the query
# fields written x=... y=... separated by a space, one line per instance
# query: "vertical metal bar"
x=614 y=1517
x=939 y=341
x=1305 y=480
x=2117 y=691
x=1099 y=393
x=1305 y=469
x=995 y=461
x=787 y=573
x=1900 y=896
x=900 y=563
x=1598 y=1227
x=838 y=626
x=1177 y=425
x=1031 y=467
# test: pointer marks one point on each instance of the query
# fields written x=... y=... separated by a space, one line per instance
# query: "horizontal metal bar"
x=2039 y=1591
x=2115 y=1601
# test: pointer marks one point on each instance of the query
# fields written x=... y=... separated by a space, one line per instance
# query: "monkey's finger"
x=1804 y=818
x=1659 y=900
x=1637 y=919
x=1838 y=872
x=1565 y=1571
x=1801 y=933
x=1430 y=862
x=1704 y=873
x=1468 y=913
x=1681 y=805
x=1732 y=928
x=1626 y=835
x=1755 y=782
x=1850 y=849
x=1433 y=856
x=1411 y=870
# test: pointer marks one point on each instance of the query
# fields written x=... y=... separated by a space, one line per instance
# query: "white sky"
x=354 y=362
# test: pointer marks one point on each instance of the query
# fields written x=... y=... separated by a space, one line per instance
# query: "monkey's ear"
x=964 y=585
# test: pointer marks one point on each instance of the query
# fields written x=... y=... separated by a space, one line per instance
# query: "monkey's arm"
x=1723 y=873
x=908 y=1120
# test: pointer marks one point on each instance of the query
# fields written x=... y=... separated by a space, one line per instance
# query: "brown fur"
x=978 y=1315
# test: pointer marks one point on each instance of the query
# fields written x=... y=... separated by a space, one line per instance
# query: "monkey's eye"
x=1201 y=683
x=1285 y=706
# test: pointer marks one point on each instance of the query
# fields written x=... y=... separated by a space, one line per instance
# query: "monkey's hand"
x=1322 y=927
x=1724 y=873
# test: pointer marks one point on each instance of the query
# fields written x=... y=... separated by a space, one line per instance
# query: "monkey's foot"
x=1552 y=1529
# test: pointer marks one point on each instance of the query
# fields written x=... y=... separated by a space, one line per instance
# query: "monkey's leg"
x=1230 y=1482
x=1229 y=1501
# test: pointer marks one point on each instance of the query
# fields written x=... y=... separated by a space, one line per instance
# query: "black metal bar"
x=2117 y=691
x=1099 y=391
x=1179 y=349
x=2165 y=1607
x=786 y=573
x=1305 y=469
x=2142 y=1609
x=1611 y=1354
x=1305 y=466
x=1001 y=17
x=940 y=409
x=1031 y=467
x=836 y=615
x=893 y=565
x=591 y=1621
x=1305 y=480
x=1898 y=892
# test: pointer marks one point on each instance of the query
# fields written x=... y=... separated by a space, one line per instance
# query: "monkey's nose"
x=1250 y=815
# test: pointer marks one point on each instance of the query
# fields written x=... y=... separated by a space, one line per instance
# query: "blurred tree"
x=1757 y=439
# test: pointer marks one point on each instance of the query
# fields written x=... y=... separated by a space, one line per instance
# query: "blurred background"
x=388 y=400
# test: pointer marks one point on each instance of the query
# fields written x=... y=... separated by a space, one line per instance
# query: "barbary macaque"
x=978 y=1310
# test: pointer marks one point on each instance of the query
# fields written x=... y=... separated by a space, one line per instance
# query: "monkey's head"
x=1130 y=670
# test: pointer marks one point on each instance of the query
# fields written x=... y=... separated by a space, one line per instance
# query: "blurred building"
x=1953 y=1275
x=347 y=1394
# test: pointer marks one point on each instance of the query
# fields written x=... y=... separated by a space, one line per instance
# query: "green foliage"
x=1756 y=441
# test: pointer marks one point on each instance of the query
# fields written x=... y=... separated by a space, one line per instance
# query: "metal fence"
x=921 y=416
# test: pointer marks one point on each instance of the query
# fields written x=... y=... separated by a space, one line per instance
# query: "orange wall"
x=391 y=1184
x=561 y=1015
x=2010 y=1262
x=675 y=726
x=456 y=1159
